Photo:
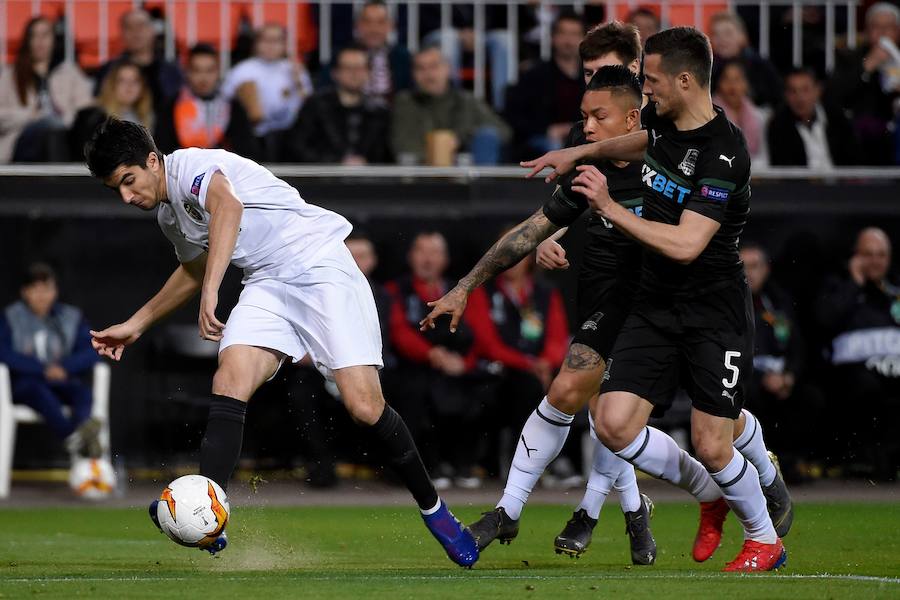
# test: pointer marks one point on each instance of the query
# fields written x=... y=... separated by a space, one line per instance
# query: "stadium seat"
x=12 y=415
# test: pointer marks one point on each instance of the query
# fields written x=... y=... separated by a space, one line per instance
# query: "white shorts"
x=327 y=312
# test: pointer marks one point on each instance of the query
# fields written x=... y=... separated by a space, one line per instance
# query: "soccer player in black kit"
x=692 y=324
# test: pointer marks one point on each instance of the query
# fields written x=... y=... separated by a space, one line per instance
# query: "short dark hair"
x=683 y=49
x=350 y=48
x=614 y=37
x=115 y=143
x=567 y=15
x=750 y=246
x=800 y=71
x=619 y=80
x=203 y=49
x=643 y=11
x=38 y=272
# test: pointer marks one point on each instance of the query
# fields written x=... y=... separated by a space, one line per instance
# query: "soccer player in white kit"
x=303 y=294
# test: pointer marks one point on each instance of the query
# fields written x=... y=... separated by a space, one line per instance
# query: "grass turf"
x=835 y=551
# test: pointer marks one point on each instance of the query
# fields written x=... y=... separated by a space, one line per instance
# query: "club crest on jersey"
x=192 y=211
x=689 y=162
x=195 y=187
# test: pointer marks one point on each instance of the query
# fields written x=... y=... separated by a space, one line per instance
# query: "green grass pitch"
x=835 y=551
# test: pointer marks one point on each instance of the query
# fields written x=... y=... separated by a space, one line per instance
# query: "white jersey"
x=280 y=237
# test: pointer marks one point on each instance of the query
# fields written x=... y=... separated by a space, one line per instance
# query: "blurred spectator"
x=646 y=21
x=776 y=394
x=543 y=105
x=861 y=312
x=390 y=64
x=271 y=87
x=342 y=125
x=434 y=106
x=47 y=346
x=201 y=116
x=39 y=96
x=732 y=94
x=163 y=77
x=366 y=258
x=866 y=81
x=124 y=95
x=729 y=42
x=805 y=133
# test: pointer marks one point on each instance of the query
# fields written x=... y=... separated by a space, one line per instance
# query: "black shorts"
x=655 y=354
x=602 y=309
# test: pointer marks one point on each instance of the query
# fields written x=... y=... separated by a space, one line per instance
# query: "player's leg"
x=540 y=442
x=361 y=392
x=749 y=441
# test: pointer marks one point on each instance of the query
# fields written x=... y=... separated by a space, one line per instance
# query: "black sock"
x=400 y=450
x=221 y=446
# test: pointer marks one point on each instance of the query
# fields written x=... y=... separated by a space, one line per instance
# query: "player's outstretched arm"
x=681 y=243
x=629 y=147
x=224 y=224
x=509 y=250
x=181 y=286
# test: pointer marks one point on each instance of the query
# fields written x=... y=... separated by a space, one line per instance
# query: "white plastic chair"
x=11 y=415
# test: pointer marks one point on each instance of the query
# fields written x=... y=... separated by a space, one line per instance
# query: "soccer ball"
x=92 y=478
x=193 y=511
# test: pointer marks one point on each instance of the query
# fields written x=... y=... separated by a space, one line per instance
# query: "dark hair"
x=115 y=143
x=809 y=71
x=38 y=272
x=24 y=68
x=202 y=49
x=749 y=246
x=643 y=11
x=719 y=70
x=350 y=48
x=618 y=79
x=567 y=15
x=613 y=37
x=683 y=49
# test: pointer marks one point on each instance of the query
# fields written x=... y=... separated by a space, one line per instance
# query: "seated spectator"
x=39 y=96
x=271 y=87
x=729 y=42
x=47 y=347
x=732 y=94
x=646 y=21
x=776 y=393
x=201 y=116
x=543 y=105
x=861 y=314
x=390 y=64
x=163 y=77
x=866 y=81
x=342 y=125
x=435 y=105
x=530 y=318
x=803 y=132
x=123 y=95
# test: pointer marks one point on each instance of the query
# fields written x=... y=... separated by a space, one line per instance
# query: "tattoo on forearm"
x=582 y=358
x=510 y=249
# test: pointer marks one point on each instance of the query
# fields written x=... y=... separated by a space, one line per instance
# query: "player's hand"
x=551 y=256
x=111 y=342
x=592 y=184
x=55 y=373
x=210 y=327
x=453 y=303
x=561 y=161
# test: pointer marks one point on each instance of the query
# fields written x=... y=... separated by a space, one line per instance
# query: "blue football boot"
x=457 y=540
x=153 y=515
x=218 y=545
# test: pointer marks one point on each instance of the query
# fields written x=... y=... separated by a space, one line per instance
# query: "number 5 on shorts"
x=735 y=371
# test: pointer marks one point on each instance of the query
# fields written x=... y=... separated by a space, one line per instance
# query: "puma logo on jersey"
x=527 y=449
x=726 y=159
x=730 y=396
x=655 y=136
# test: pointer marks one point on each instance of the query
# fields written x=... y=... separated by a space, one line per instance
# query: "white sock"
x=657 y=454
x=541 y=441
x=626 y=485
x=739 y=483
x=431 y=510
x=751 y=444
x=600 y=481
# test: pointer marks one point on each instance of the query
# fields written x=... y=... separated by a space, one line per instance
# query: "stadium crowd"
x=378 y=104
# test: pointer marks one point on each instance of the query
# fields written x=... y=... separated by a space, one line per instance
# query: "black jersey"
x=705 y=170
x=607 y=253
